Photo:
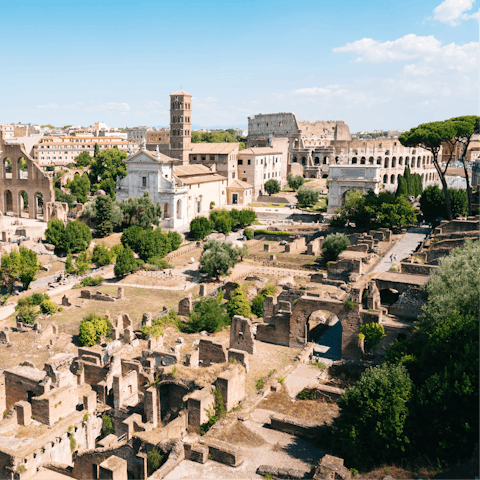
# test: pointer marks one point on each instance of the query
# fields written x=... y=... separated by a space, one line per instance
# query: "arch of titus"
x=351 y=177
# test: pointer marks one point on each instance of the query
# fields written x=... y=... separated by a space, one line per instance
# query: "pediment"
x=141 y=157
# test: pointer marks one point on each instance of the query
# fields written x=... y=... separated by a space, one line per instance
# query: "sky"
x=373 y=64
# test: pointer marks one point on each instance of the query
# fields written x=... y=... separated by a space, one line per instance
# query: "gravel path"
x=404 y=248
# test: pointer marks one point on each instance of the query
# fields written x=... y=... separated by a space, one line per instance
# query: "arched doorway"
x=166 y=210
x=23 y=205
x=8 y=199
x=22 y=169
x=7 y=168
x=38 y=205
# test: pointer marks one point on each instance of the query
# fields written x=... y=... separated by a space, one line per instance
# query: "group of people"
x=393 y=258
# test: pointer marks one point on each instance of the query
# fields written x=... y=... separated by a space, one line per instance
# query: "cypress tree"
x=96 y=151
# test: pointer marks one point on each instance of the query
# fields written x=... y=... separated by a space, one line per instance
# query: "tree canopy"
x=218 y=257
x=272 y=186
x=208 y=314
x=333 y=245
x=200 y=227
x=295 y=182
x=432 y=202
x=80 y=187
x=106 y=167
x=307 y=196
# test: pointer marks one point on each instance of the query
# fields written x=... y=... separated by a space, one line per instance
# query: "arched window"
x=317 y=161
x=362 y=161
x=354 y=160
x=379 y=160
x=166 y=210
x=387 y=162
x=400 y=161
x=394 y=162
x=179 y=209
x=370 y=160
x=385 y=179
x=392 y=179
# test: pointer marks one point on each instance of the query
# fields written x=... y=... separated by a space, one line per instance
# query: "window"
x=240 y=162
x=249 y=162
x=212 y=157
x=144 y=181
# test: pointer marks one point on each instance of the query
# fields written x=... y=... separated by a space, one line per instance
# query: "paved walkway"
x=404 y=248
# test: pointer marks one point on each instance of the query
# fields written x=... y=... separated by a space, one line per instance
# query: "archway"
x=394 y=162
x=392 y=179
x=325 y=175
x=166 y=210
x=38 y=205
x=362 y=161
x=379 y=160
x=304 y=161
x=8 y=199
x=325 y=329
x=23 y=205
x=7 y=168
x=370 y=160
x=317 y=161
x=407 y=159
x=179 y=209
x=387 y=162
x=419 y=162
x=171 y=399
x=294 y=160
x=385 y=178
x=400 y=161
x=22 y=169
x=312 y=176
x=354 y=160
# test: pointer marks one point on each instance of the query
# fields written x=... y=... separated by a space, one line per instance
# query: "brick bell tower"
x=180 y=125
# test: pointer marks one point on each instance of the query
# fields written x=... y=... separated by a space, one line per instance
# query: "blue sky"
x=373 y=64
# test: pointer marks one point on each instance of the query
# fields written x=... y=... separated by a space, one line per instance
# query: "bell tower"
x=180 y=125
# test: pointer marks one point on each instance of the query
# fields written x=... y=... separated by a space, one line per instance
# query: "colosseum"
x=314 y=146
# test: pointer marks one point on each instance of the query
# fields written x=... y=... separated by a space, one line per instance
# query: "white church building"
x=183 y=191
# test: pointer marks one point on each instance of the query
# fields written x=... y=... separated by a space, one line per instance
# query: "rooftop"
x=214 y=148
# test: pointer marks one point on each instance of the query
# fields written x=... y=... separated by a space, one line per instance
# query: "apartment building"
x=158 y=136
x=53 y=151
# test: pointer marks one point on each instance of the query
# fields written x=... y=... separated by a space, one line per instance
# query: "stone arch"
x=379 y=160
x=362 y=161
x=387 y=162
x=385 y=179
x=388 y=296
x=370 y=160
x=325 y=329
x=354 y=160
x=23 y=203
x=400 y=161
x=166 y=210
x=407 y=161
x=317 y=161
x=22 y=174
x=7 y=168
x=171 y=396
x=419 y=162
x=304 y=161
x=326 y=161
x=392 y=179
x=37 y=202
x=325 y=175
x=337 y=159
x=8 y=201
x=394 y=162
x=179 y=208
x=294 y=160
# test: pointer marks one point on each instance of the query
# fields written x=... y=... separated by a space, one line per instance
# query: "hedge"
x=270 y=232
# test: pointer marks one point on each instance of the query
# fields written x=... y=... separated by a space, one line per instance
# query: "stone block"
x=211 y=352
x=203 y=290
x=113 y=468
x=239 y=356
x=4 y=336
x=192 y=359
x=85 y=294
x=185 y=305
x=65 y=301
x=24 y=413
x=147 y=319
x=197 y=405
x=90 y=402
x=196 y=452
x=241 y=334
x=120 y=293
x=266 y=247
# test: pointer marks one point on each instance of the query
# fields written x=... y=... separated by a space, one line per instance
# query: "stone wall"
x=210 y=352
x=296 y=426
x=55 y=404
x=198 y=403
x=231 y=383
x=241 y=334
x=417 y=268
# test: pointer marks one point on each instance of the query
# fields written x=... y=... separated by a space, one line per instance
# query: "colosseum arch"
x=379 y=160
x=385 y=179
x=354 y=160
x=11 y=185
x=362 y=161
x=400 y=161
x=419 y=162
x=370 y=160
x=387 y=162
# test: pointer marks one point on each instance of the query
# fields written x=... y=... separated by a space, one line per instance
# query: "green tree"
x=125 y=262
x=141 y=211
x=409 y=184
x=246 y=216
x=96 y=151
x=27 y=314
x=200 y=227
x=55 y=234
x=208 y=314
x=103 y=206
x=175 y=240
x=453 y=286
x=132 y=237
x=371 y=426
x=29 y=267
x=153 y=243
x=272 y=186
x=82 y=262
x=248 y=232
x=295 y=182
x=80 y=187
x=372 y=333
x=459 y=201
x=307 y=196
x=83 y=160
x=106 y=167
x=77 y=236
x=69 y=268
x=48 y=307
x=334 y=244
x=61 y=196
x=10 y=269
x=432 y=202
x=102 y=255
x=218 y=257
x=223 y=224
x=92 y=327
x=238 y=303
x=430 y=136
x=465 y=128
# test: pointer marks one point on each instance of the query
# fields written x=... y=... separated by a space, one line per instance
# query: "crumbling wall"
x=211 y=352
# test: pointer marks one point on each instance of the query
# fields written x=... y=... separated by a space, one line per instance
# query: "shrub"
x=38 y=298
x=218 y=257
x=217 y=413
x=333 y=245
x=77 y=236
x=92 y=281
x=154 y=460
x=238 y=304
x=257 y=305
x=350 y=304
x=175 y=240
x=92 y=328
x=307 y=196
x=107 y=426
x=272 y=186
x=27 y=314
x=48 y=307
x=208 y=314
x=159 y=262
x=373 y=416
x=295 y=182
x=248 y=232
x=125 y=262
x=200 y=227
x=373 y=333
x=102 y=255
x=270 y=232
x=116 y=249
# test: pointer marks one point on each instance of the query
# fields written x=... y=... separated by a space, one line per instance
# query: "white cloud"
x=406 y=48
x=452 y=11
x=313 y=91
x=48 y=105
